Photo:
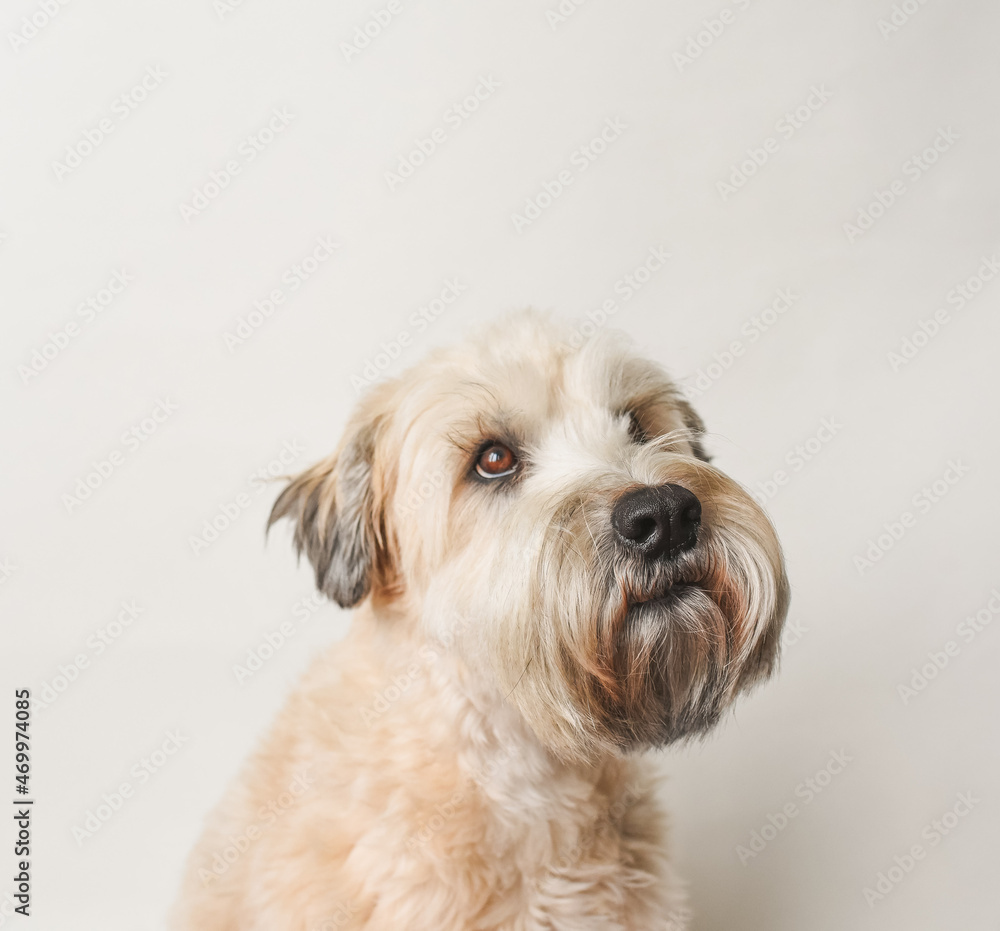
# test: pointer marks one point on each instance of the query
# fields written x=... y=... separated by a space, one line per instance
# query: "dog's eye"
x=495 y=461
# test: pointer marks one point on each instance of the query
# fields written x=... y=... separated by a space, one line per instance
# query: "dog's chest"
x=525 y=843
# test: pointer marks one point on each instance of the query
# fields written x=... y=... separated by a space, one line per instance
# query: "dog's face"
x=548 y=514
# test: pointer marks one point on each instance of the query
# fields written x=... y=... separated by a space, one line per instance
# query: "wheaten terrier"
x=550 y=578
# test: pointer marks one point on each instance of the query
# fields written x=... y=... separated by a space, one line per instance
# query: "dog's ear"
x=696 y=427
x=338 y=516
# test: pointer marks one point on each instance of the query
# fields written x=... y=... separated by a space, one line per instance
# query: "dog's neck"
x=492 y=745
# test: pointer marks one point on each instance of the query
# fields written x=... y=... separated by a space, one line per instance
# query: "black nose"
x=657 y=521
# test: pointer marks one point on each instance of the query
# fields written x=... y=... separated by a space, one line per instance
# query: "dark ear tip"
x=271 y=519
x=346 y=596
x=282 y=506
x=696 y=428
x=699 y=450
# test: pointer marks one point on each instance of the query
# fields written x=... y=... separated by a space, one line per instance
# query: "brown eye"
x=496 y=461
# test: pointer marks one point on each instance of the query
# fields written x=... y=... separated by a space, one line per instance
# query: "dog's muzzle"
x=657 y=522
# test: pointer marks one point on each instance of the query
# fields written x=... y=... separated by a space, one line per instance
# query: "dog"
x=550 y=578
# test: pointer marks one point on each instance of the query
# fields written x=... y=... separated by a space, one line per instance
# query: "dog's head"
x=549 y=514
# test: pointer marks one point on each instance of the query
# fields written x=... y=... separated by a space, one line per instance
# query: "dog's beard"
x=603 y=652
x=680 y=639
x=655 y=667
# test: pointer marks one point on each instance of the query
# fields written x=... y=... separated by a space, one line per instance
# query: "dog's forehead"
x=534 y=384
x=536 y=371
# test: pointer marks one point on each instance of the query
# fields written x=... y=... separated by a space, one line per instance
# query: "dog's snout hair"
x=541 y=551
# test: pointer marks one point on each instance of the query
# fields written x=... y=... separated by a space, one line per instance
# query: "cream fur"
x=469 y=757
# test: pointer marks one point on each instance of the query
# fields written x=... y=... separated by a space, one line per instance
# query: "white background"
x=861 y=630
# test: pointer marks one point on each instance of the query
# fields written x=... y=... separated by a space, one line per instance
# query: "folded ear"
x=696 y=427
x=333 y=505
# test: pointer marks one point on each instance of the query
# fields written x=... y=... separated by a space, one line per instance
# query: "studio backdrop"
x=222 y=222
